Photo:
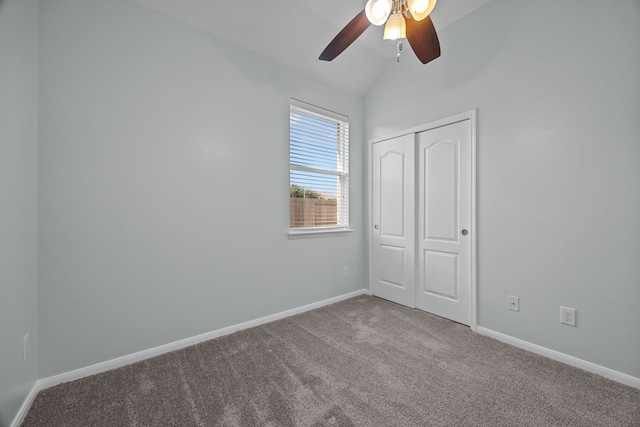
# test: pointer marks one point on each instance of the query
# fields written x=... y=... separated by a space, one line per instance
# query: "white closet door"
x=392 y=255
x=444 y=221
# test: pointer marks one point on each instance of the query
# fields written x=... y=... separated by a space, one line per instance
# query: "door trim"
x=467 y=115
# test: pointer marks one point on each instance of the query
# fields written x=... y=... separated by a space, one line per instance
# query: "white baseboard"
x=564 y=358
x=26 y=405
x=177 y=345
x=119 y=362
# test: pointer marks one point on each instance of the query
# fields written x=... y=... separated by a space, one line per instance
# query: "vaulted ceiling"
x=294 y=32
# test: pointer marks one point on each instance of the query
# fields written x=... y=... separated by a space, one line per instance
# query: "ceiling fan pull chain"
x=399 y=49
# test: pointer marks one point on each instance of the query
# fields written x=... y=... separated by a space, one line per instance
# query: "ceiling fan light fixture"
x=396 y=28
x=420 y=9
x=378 y=11
x=421 y=35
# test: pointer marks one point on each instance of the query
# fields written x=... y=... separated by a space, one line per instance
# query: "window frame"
x=324 y=231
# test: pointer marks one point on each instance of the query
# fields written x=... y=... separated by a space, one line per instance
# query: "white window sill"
x=304 y=233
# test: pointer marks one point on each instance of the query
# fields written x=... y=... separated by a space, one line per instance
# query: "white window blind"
x=318 y=168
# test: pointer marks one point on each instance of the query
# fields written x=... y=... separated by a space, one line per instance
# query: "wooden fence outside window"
x=313 y=212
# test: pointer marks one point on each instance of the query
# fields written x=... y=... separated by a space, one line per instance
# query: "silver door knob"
x=464 y=232
x=375 y=226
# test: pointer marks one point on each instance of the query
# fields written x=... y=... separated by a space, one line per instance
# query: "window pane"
x=318 y=179
x=313 y=141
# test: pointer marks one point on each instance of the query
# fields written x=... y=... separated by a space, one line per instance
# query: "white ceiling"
x=294 y=32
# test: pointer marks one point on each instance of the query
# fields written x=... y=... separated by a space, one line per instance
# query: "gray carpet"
x=360 y=362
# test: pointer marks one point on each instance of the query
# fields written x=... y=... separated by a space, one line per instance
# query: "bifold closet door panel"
x=444 y=222
x=392 y=254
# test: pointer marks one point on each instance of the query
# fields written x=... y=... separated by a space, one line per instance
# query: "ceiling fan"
x=404 y=19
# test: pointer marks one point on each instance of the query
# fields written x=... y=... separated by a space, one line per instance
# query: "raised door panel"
x=391 y=264
x=441 y=190
x=392 y=192
x=441 y=274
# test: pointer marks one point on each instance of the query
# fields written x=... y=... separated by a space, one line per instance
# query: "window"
x=318 y=171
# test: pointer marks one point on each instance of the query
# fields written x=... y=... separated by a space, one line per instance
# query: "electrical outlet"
x=568 y=316
x=25 y=347
x=345 y=272
x=514 y=303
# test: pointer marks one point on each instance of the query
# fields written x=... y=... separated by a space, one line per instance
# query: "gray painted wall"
x=18 y=202
x=557 y=88
x=163 y=185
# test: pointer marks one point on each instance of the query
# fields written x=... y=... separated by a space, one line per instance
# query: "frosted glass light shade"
x=378 y=11
x=395 y=28
x=420 y=9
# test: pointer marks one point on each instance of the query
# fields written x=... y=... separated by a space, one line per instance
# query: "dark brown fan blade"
x=348 y=35
x=423 y=39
